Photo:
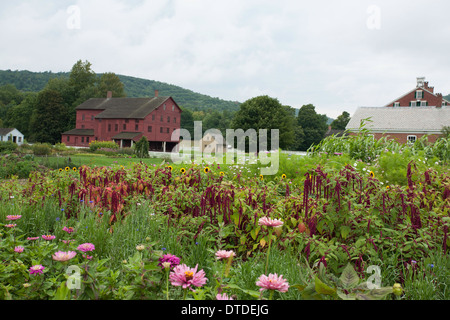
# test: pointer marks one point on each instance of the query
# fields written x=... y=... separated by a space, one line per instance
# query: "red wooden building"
x=125 y=121
x=418 y=112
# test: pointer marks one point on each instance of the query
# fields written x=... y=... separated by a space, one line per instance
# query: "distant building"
x=417 y=113
x=213 y=143
x=125 y=121
x=11 y=134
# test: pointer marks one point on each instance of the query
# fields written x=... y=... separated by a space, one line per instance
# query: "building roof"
x=123 y=108
x=5 y=131
x=401 y=119
x=80 y=132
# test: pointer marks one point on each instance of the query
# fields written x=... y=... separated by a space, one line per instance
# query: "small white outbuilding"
x=11 y=134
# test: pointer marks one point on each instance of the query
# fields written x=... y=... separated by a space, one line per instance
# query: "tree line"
x=42 y=116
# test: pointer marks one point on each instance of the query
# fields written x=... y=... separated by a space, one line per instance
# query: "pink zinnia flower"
x=223 y=254
x=169 y=258
x=19 y=249
x=68 y=241
x=68 y=230
x=48 y=237
x=13 y=217
x=184 y=276
x=10 y=225
x=64 y=256
x=85 y=247
x=272 y=282
x=33 y=238
x=87 y=257
x=223 y=297
x=36 y=269
x=264 y=221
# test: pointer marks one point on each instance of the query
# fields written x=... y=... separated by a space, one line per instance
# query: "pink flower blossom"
x=68 y=230
x=272 y=282
x=169 y=258
x=36 y=269
x=223 y=254
x=185 y=276
x=19 y=249
x=85 y=247
x=264 y=221
x=33 y=238
x=87 y=256
x=48 y=237
x=13 y=217
x=223 y=297
x=64 y=256
x=10 y=225
x=68 y=241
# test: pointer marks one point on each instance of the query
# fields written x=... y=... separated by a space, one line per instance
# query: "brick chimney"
x=439 y=100
x=109 y=95
x=156 y=93
x=431 y=89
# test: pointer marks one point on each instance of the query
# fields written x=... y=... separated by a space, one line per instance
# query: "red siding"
x=167 y=118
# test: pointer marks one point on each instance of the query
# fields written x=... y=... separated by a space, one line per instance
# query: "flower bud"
x=397 y=288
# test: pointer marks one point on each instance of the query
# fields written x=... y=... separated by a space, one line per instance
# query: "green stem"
x=268 y=250
x=271 y=294
x=167 y=283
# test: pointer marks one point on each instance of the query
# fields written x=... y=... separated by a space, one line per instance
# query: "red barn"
x=125 y=121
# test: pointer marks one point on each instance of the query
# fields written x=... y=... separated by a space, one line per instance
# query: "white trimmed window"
x=419 y=94
x=396 y=104
x=411 y=138
x=423 y=103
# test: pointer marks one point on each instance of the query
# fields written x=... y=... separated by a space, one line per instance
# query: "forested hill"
x=134 y=87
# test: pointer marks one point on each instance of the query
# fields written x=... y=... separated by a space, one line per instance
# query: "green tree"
x=187 y=121
x=341 y=121
x=110 y=82
x=141 y=148
x=50 y=117
x=215 y=119
x=19 y=116
x=264 y=112
x=82 y=76
x=313 y=125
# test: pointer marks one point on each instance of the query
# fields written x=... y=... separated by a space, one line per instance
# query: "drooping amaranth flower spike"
x=186 y=277
x=272 y=282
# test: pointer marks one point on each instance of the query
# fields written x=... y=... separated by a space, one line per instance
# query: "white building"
x=11 y=134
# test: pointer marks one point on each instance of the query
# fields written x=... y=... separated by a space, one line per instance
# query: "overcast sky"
x=336 y=55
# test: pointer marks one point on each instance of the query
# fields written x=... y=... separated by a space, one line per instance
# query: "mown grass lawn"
x=94 y=160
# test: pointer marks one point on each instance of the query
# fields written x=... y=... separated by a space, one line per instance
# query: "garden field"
x=354 y=219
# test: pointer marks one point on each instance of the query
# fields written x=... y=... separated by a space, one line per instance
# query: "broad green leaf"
x=252 y=293
x=380 y=293
x=322 y=288
x=345 y=230
x=62 y=292
x=343 y=296
x=349 y=277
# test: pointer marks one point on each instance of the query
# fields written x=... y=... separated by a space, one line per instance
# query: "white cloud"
x=300 y=52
